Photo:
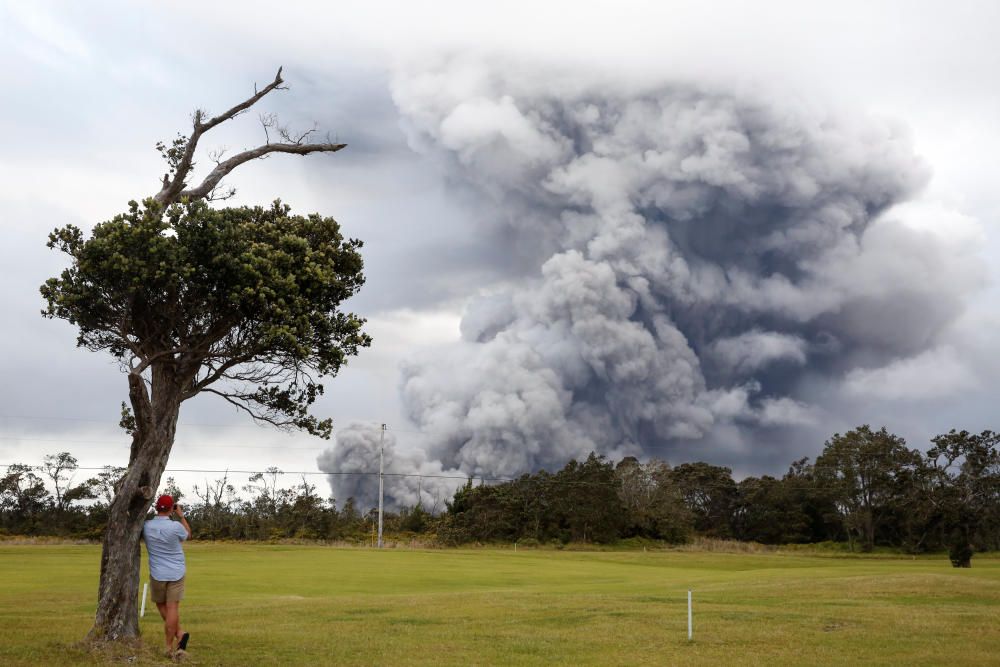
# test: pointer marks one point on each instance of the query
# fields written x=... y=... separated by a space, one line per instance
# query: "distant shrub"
x=960 y=553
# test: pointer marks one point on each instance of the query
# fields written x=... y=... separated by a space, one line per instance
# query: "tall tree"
x=22 y=498
x=60 y=468
x=241 y=303
x=590 y=508
x=653 y=505
x=868 y=474
x=808 y=496
x=709 y=493
x=965 y=469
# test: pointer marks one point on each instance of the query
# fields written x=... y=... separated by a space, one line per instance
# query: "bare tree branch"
x=215 y=194
x=227 y=166
x=201 y=385
x=287 y=135
x=236 y=400
x=215 y=155
x=267 y=121
x=174 y=184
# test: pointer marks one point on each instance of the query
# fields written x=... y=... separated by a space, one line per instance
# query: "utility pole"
x=381 y=452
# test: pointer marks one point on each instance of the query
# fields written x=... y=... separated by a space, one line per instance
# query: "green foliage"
x=27 y=507
x=173 y=153
x=764 y=513
x=961 y=495
x=22 y=492
x=709 y=493
x=578 y=503
x=947 y=500
x=416 y=520
x=127 y=421
x=247 y=296
x=868 y=474
x=652 y=502
x=793 y=509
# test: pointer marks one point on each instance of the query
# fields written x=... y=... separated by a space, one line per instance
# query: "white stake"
x=689 y=615
x=381 y=449
x=144 y=587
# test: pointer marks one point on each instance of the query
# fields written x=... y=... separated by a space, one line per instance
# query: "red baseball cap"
x=164 y=503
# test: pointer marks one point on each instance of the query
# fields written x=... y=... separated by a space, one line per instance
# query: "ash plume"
x=685 y=263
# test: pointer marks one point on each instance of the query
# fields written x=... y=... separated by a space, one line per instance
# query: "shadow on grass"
x=129 y=652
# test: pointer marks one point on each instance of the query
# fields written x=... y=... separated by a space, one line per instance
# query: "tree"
x=709 y=493
x=104 y=483
x=60 y=468
x=211 y=514
x=588 y=501
x=580 y=502
x=414 y=519
x=868 y=473
x=806 y=495
x=264 y=489
x=306 y=513
x=22 y=497
x=761 y=513
x=241 y=303
x=653 y=504
x=965 y=469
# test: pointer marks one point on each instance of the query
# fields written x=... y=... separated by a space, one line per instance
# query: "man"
x=163 y=539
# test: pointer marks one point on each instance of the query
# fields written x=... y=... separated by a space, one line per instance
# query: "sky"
x=667 y=229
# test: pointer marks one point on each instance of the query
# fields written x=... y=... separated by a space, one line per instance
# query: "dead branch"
x=216 y=154
x=217 y=174
x=174 y=185
x=267 y=121
x=225 y=193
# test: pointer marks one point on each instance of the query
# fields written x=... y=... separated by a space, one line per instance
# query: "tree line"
x=866 y=489
x=46 y=501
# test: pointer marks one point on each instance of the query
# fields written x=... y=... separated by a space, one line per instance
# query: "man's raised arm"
x=180 y=515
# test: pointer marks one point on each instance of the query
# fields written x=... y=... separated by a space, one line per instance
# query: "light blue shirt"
x=163 y=543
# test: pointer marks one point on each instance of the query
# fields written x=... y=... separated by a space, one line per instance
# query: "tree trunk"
x=869 y=527
x=156 y=423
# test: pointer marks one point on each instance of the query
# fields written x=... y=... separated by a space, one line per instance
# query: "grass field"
x=313 y=605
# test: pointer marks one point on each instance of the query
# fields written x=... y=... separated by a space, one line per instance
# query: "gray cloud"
x=696 y=256
x=753 y=350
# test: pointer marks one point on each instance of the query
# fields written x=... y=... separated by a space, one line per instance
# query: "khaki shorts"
x=166 y=591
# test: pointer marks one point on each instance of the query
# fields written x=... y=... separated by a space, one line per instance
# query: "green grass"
x=312 y=605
